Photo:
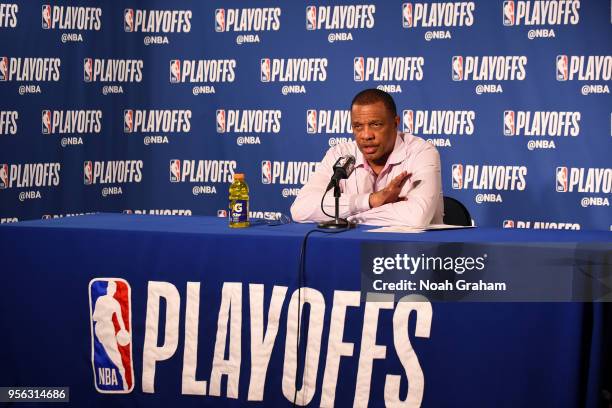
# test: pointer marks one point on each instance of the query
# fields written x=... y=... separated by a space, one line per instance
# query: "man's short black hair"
x=370 y=96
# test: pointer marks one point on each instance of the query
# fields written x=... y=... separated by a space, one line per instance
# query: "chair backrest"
x=455 y=213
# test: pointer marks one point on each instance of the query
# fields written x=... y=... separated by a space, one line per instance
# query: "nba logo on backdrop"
x=128 y=20
x=175 y=171
x=562 y=68
x=457 y=67
x=508 y=224
x=408 y=121
x=311 y=121
x=311 y=18
x=220 y=119
x=222 y=213
x=46 y=16
x=509 y=126
x=407 y=15
x=457 y=173
x=87 y=70
x=175 y=71
x=4 y=176
x=87 y=173
x=4 y=68
x=110 y=308
x=46 y=122
x=266 y=172
x=219 y=20
x=508 y=11
x=358 y=69
x=128 y=121
x=265 y=69
x=561 y=178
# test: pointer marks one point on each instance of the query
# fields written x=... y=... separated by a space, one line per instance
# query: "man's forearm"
x=416 y=212
x=307 y=206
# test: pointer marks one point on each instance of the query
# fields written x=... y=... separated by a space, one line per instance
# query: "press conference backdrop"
x=151 y=107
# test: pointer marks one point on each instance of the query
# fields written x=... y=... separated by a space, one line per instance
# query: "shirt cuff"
x=359 y=203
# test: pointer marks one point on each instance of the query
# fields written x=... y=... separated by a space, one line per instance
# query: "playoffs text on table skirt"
x=267 y=329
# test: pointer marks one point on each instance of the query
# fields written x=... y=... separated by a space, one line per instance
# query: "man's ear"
x=397 y=121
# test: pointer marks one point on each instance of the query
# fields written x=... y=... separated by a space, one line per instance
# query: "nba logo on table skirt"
x=128 y=20
x=311 y=18
x=508 y=224
x=110 y=311
x=220 y=20
x=407 y=15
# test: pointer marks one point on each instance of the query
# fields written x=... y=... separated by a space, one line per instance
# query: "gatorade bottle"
x=239 y=202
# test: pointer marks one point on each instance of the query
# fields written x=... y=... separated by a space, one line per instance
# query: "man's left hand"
x=389 y=194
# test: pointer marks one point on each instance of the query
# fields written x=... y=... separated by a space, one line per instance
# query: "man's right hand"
x=389 y=194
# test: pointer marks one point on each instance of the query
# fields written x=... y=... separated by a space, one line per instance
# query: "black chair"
x=455 y=213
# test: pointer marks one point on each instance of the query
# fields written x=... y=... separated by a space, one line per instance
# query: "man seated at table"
x=396 y=180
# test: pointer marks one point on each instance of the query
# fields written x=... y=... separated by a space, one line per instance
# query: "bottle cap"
x=238 y=176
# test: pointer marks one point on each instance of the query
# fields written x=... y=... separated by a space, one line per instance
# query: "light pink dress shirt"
x=421 y=196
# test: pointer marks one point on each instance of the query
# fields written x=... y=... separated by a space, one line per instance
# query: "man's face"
x=375 y=130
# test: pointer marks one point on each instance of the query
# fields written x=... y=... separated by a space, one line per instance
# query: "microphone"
x=343 y=168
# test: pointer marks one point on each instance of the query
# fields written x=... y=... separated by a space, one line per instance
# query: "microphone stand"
x=337 y=222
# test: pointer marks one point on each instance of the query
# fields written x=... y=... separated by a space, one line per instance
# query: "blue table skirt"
x=477 y=354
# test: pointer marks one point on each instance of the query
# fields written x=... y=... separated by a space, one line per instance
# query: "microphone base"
x=339 y=223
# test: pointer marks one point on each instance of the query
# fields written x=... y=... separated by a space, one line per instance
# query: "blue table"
x=202 y=296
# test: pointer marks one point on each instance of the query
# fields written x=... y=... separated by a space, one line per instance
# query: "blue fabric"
x=493 y=354
x=216 y=226
x=495 y=128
